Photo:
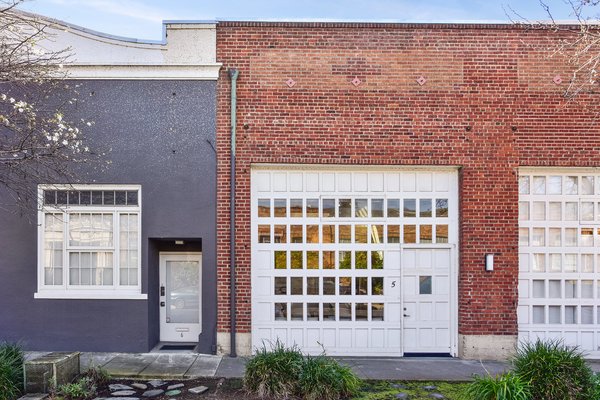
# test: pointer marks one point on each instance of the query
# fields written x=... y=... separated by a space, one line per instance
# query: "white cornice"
x=145 y=72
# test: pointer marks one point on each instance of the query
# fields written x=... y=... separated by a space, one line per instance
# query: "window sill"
x=89 y=295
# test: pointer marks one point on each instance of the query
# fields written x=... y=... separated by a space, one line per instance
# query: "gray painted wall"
x=160 y=135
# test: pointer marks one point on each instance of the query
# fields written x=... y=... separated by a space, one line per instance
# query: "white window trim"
x=63 y=291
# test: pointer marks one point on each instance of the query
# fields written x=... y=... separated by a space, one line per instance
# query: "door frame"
x=182 y=256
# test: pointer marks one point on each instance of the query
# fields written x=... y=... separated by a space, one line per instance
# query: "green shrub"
x=82 y=389
x=596 y=386
x=506 y=386
x=273 y=372
x=324 y=378
x=554 y=371
x=97 y=375
x=11 y=370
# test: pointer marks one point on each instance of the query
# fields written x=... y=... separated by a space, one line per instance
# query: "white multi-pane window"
x=89 y=242
x=559 y=257
x=356 y=262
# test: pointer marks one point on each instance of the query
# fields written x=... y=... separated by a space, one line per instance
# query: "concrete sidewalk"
x=193 y=365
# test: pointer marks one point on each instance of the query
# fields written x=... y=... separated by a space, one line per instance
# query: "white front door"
x=427 y=310
x=180 y=294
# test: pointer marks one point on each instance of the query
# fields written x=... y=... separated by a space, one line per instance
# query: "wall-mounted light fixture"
x=489 y=262
x=179 y=242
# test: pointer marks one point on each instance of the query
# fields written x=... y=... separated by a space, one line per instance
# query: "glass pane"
x=425 y=285
x=587 y=289
x=571 y=211
x=587 y=185
x=345 y=286
x=523 y=236
x=280 y=206
x=570 y=289
x=280 y=234
x=328 y=260
x=377 y=286
x=296 y=207
x=570 y=262
x=360 y=234
x=539 y=263
x=183 y=292
x=49 y=197
x=264 y=234
x=295 y=233
x=425 y=233
x=345 y=234
x=97 y=197
x=554 y=289
x=132 y=198
x=296 y=260
x=361 y=312
x=393 y=208
x=280 y=311
x=361 y=285
x=538 y=315
x=587 y=263
x=377 y=260
x=570 y=315
x=539 y=211
x=554 y=314
x=539 y=185
x=280 y=285
x=571 y=237
x=425 y=207
x=539 y=289
x=61 y=197
x=328 y=311
x=587 y=211
x=312 y=208
x=377 y=208
x=555 y=185
x=312 y=311
x=441 y=208
x=345 y=260
x=312 y=259
x=393 y=233
x=345 y=312
x=328 y=233
x=377 y=312
x=312 y=233
x=361 y=208
x=587 y=315
x=571 y=185
x=296 y=285
x=410 y=233
x=410 y=208
x=554 y=237
x=555 y=263
x=280 y=260
x=523 y=185
x=328 y=208
x=361 y=260
x=120 y=197
x=441 y=234
x=344 y=208
x=555 y=212
x=537 y=237
x=376 y=234
x=587 y=237
x=312 y=286
x=328 y=286
x=73 y=197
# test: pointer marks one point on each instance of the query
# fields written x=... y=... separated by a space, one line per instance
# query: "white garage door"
x=559 y=260
x=354 y=262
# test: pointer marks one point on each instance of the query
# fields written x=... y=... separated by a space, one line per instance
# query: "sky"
x=142 y=19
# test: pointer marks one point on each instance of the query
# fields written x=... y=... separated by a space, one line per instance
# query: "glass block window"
x=91 y=239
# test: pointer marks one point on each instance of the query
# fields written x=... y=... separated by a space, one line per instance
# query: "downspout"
x=233 y=75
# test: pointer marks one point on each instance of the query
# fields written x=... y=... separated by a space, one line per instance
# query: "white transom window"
x=89 y=242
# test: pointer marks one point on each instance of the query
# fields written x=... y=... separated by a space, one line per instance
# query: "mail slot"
x=182 y=329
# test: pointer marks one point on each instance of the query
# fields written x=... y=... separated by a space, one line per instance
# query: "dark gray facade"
x=157 y=134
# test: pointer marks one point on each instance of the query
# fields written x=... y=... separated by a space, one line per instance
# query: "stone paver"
x=169 y=366
x=203 y=366
x=129 y=365
x=91 y=360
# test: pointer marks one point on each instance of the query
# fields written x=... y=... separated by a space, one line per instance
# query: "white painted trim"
x=146 y=72
x=558 y=170
x=104 y=295
x=353 y=167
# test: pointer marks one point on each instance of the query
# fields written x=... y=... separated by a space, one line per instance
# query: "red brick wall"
x=489 y=105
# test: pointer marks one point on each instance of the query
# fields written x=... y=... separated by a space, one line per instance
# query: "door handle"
x=162 y=290
x=162 y=303
x=406 y=315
